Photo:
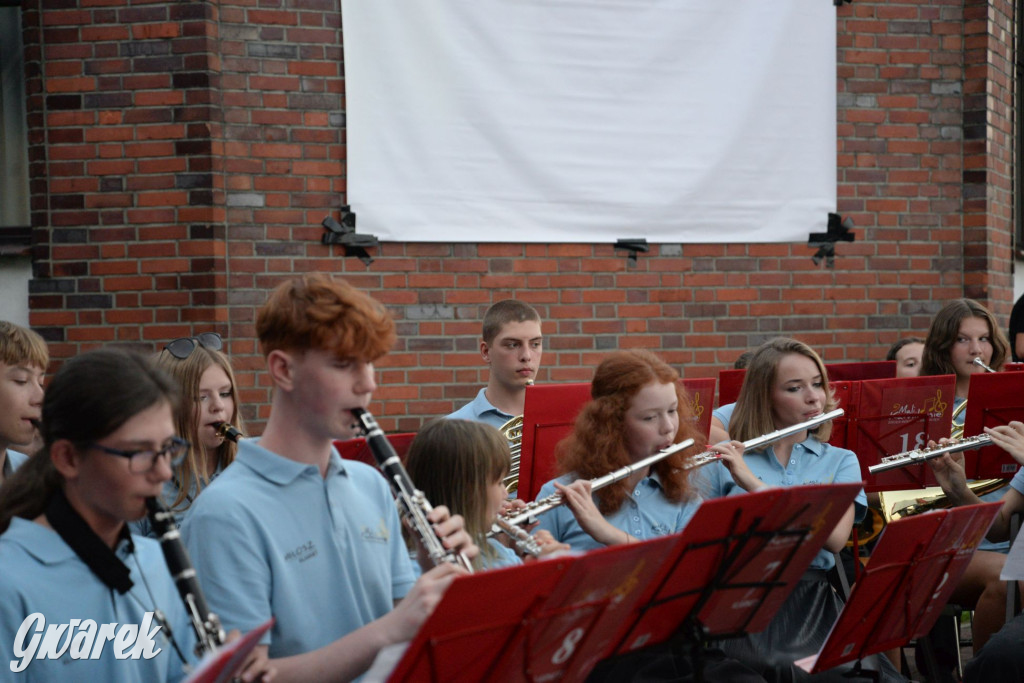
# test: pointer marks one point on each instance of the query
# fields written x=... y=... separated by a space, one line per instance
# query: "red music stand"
x=222 y=666
x=701 y=393
x=889 y=416
x=729 y=384
x=548 y=416
x=993 y=399
x=875 y=369
x=738 y=563
x=356 y=449
x=557 y=618
x=913 y=570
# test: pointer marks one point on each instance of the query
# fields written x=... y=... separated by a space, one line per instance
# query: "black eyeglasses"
x=182 y=348
x=144 y=460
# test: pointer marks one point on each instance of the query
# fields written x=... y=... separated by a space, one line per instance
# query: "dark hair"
x=597 y=445
x=91 y=396
x=743 y=360
x=1016 y=327
x=897 y=345
x=943 y=332
x=505 y=312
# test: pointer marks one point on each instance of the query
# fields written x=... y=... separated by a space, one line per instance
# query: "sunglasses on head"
x=182 y=348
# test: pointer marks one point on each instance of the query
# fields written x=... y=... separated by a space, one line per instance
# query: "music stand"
x=549 y=412
x=860 y=370
x=889 y=416
x=913 y=570
x=701 y=394
x=993 y=399
x=356 y=449
x=738 y=565
x=730 y=381
x=559 y=617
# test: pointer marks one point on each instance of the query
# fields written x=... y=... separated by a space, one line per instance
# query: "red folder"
x=889 y=416
x=729 y=383
x=739 y=559
x=875 y=369
x=222 y=665
x=356 y=449
x=555 y=619
x=701 y=394
x=548 y=416
x=994 y=398
x=912 y=572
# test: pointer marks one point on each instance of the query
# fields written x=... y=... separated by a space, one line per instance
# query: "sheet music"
x=385 y=662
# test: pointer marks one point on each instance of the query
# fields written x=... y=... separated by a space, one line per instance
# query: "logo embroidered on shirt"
x=304 y=552
x=378 y=535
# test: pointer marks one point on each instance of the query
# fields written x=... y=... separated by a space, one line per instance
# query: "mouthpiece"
x=981 y=364
x=36 y=423
x=226 y=431
x=529 y=382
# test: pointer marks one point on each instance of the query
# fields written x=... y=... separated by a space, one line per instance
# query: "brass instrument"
x=513 y=433
x=226 y=431
x=892 y=462
x=897 y=504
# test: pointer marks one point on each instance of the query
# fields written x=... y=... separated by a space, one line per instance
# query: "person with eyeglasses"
x=69 y=564
x=291 y=530
x=209 y=398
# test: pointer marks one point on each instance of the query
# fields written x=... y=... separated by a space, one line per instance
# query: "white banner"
x=591 y=120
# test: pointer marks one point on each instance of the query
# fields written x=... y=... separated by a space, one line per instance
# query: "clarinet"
x=209 y=633
x=412 y=504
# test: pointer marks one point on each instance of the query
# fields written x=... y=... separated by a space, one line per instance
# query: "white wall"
x=15 y=272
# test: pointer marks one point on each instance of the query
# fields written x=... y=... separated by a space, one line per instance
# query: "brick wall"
x=184 y=154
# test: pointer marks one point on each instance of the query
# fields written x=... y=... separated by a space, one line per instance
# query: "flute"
x=892 y=462
x=209 y=633
x=543 y=505
x=412 y=504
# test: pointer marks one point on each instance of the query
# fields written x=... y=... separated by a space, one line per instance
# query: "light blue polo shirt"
x=43 y=574
x=811 y=462
x=506 y=556
x=13 y=461
x=645 y=514
x=481 y=410
x=324 y=555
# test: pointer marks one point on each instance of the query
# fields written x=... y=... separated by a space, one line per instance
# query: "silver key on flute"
x=892 y=462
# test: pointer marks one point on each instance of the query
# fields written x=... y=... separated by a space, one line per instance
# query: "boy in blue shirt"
x=290 y=530
x=511 y=346
x=23 y=361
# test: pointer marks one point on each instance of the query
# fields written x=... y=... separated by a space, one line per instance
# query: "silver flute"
x=525 y=515
x=759 y=442
x=892 y=462
x=412 y=504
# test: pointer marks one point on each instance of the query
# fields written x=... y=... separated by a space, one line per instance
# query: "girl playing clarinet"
x=67 y=556
x=462 y=465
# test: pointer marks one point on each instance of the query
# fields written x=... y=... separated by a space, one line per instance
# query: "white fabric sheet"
x=591 y=120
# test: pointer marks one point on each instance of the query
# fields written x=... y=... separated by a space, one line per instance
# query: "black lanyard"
x=89 y=547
